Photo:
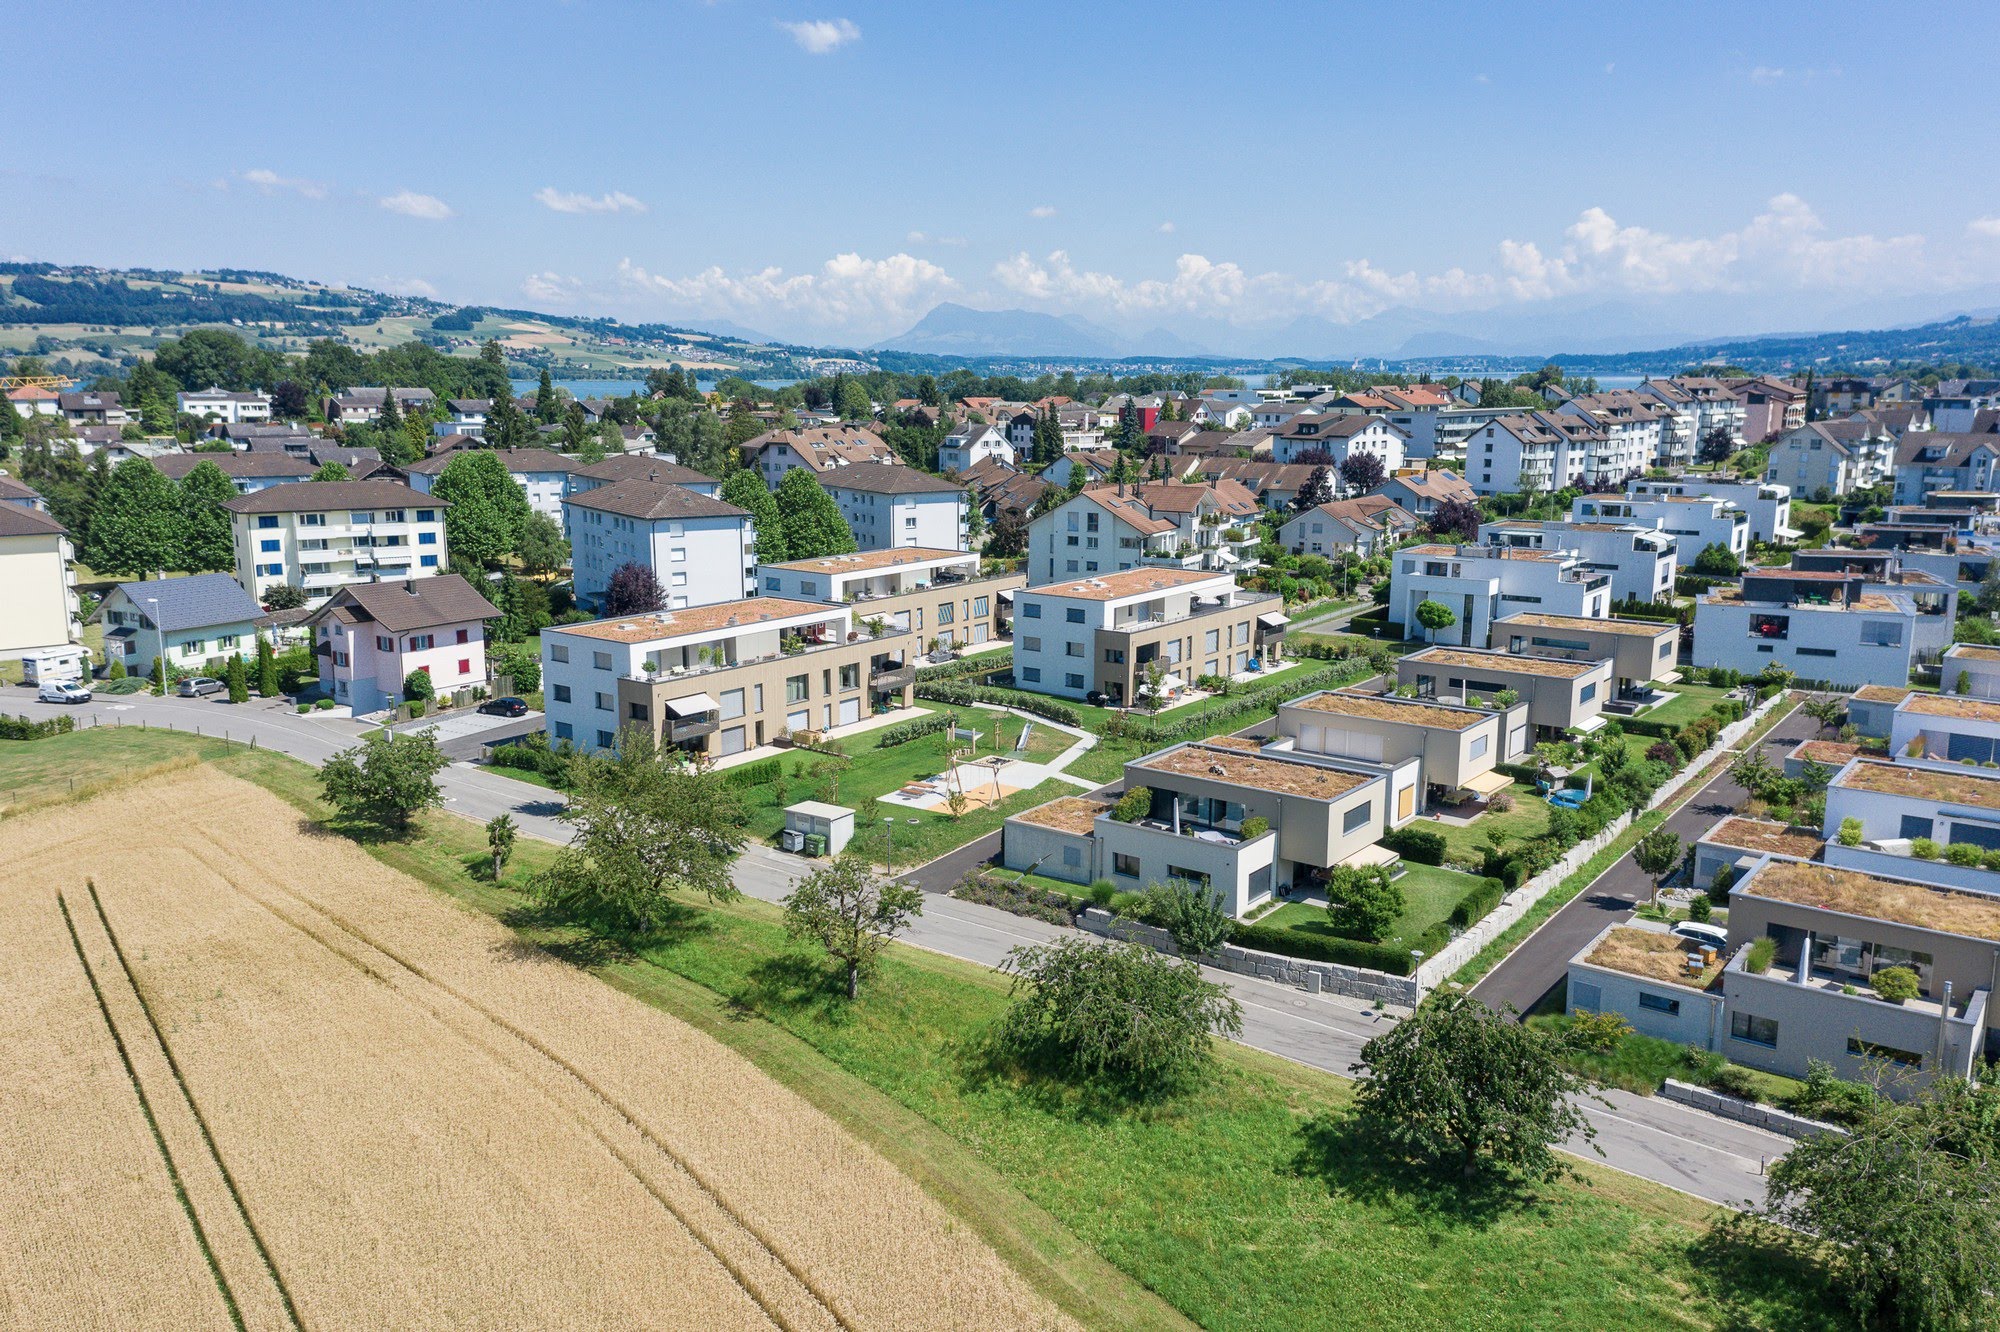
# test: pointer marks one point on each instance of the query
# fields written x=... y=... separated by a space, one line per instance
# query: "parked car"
x=505 y=707
x=1703 y=936
x=197 y=685
x=63 y=691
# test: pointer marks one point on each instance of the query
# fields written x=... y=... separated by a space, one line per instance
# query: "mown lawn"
x=1243 y=1204
x=1429 y=894
x=1529 y=818
x=1693 y=700
x=36 y=771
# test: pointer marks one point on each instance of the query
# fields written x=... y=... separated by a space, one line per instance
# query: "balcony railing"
x=893 y=677
x=652 y=675
x=693 y=728
x=1243 y=601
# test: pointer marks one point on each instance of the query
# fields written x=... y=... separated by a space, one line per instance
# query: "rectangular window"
x=604 y=703
x=1031 y=610
x=383 y=644
x=428 y=561
x=1072 y=649
x=1354 y=820
x=1125 y=865
x=267 y=520
x=562 y=693
x=1659 y=1003
x=465 y=665
x=850 y=676
x=601 y=660
x=1585 y=694
x=1212 y=641
x=1031 y=674
x=1186 y=875
x=427 y=538
x=1114 y=656
x=1073 y=615
x=981 y=608
x=1817 y=652
x=1870 y=1050
x=947 y=612
x=564 y=731
x=269 y=545
x=1073 y=681
x=1031 y=644
x=422 y=642
x=558 y=652
x=797 y=687
x=638 y=711
x=1752 y=1029
x=1073 y=857
x=1479 y=747
x=606 y=740
x=426 y=515
x=732 y=703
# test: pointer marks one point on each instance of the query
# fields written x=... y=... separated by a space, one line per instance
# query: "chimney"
x=410 y=586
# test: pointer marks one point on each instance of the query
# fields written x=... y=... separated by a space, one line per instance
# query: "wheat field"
x=262 y=1078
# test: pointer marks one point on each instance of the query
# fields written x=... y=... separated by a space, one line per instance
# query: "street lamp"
x=160 y=636
x=889 y=835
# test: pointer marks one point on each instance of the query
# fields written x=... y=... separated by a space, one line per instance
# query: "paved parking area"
x=471 y=726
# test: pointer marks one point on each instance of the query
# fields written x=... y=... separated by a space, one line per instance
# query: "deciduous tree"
x=745 y=489
x=540 y=544
x=500 y=832
x=852 y=913
x=386 y=780
x=633 y=590
x=135 y=524
x=1317 y=490
x=486 y=508
x=331 y=470
x=1361 y=471
x=1435 y=615
x=1458 y=518
x=207 y=544
x=812 y=520
x=1191 y=914
x=1657 y=853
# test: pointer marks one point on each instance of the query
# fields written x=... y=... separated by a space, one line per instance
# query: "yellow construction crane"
x=8 y=383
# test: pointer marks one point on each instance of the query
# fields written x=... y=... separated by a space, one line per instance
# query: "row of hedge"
x=912 y=730
x=964 y=696
x=1725 y=711
x=760 y=773
x=1262 y=700
x=986 y=663
x=23 y=728
x=1321 y=948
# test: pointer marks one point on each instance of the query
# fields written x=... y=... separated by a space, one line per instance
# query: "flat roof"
x=1610 y=625
x=1467 y=659
x=1952 y=705
x=1867 y=601
x=1935 y=784
x=1260 y=771
x=1651 y=955
x=746 y=614
x=1973 y=915
x=1126 y=583
x=1389 y=708
x=1766 y=835
x=1882 y=693
x=1070 y=814
x=1831 y=753
x=868 y=561
x=1975 y=651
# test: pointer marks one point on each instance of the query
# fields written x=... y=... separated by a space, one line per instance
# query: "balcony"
x=681 y=730
x=654 y=675
x=1243 y=601
x=892 y=679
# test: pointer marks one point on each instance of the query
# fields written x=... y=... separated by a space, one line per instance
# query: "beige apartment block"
x=1456 y=747
x=1561 y=695
x=939 y=595
x=1641 y=652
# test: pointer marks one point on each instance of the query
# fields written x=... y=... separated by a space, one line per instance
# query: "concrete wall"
x=1698 y=1021
x=1745 y=1112
x=1231 y=867
x=1028 y=846
x=1312 y=977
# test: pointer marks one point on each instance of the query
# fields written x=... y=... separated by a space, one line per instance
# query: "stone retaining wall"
x=1747 y=1112
x=1310 y=976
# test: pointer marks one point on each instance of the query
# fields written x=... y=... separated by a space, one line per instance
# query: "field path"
x=433 y=1126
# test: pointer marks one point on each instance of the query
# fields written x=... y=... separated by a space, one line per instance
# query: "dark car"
x=505 y=707
x=196 y=686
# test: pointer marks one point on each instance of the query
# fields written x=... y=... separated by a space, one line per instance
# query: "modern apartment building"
x=1922 y=794
x=1561 y=695
x=718 y=680
x=702 y=550
x=223 y=406
x=890 y=506
x=1456 y=747
x=322 y=535
x=1639 y=558
x=939 y=595
x=1097 y=636
x=1481 y=583
x=1696 y=522
x=1641 y=652
x=1822 y=624
x=1768 y=504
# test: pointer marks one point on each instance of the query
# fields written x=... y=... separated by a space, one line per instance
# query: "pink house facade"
x=371 y=636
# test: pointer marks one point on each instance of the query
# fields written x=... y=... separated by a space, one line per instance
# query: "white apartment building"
x=888 y=505
x=542 y=475
x=1768 y=504
x=1339 y=437
x=1640 y=431
x=1694 y=521
x=1105 y=529
x=1098 y=636
x=1535 y=453
x=321 y=535
x=1481 y=584
x=38 y=605
x=821 y=448
x=365 y=404
x=972 y=443
x=1712 y=402
x=701 y=549
x=214 y=404
x=939 y=594
x=1640 y=559
x=464 y=416
x=1823 y=624
x=1935 y=461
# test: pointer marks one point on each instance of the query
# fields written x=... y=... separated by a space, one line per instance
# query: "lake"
x=618 y=388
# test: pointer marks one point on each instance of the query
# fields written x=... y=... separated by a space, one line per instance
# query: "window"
x=428 y=561
x=427 y=538
x=267 y=520
x=1031 y=644
x=1585 y=694
x=1212 y=641
x=770 y=585
x=850 y=676
x=797 y=688
x=361 y=517
x=639 y=712
x=947 y=612
x=269 y=545
x=601 y=660
x=604 y=703
x=605 y=739
x=426 y=515
x=1031 y=674
x=1031 y=610
x=1357 y=818
x=981 y=608
x=465 y=665
x=1659 y=1003
x=384 y=644
x=1817 y=652
x=1755 y=1030
x=1072 y=649
x=1073 y=681
x=562 y=693
x=732 y=703
x=1114 y=656
x=1073 y=615
x=564 y=731
x=1870 y=1050
x=421 y=642
x=1125 y=865
x=1479 y=747
x=1188 y=875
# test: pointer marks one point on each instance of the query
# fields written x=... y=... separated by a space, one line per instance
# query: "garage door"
x=732 y=741
x=850 y=710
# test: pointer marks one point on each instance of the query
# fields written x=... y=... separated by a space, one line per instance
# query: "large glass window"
x=1660 y=1003
x=796 y=687
x=1357 y=818
x=1753 y=1029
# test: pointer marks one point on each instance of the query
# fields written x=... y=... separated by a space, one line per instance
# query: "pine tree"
x=160 y=676
x=267 y=668
x=238 y=679
x=812 y=520
x=548 y=408
x=206 y=543
x=746 y=490
x=135 y=525
x=390 y=419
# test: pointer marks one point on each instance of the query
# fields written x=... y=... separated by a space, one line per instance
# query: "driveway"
x=463 y=733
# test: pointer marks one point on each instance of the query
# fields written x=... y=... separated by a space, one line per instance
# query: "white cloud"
x=406 y=286
x=1985 y=227
x=821 y=36
x=1767 y=74
x=1165 y=228
x=550 y=288
x=270 y=182
x=1042 y=210
x=848 y=293
x=616 y=201
x=411 y=204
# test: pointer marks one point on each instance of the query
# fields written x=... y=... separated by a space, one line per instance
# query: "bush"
x=1850 y=832
x=1963 y=853
x=1700 y=910
x=323 y=705
x=964 y=696
x=1762 y=951
x=1896 y=984
x=1731 y=1080
x=1102 y=892
x=986 y=663
x=1477 y=902
x=22 y=728
x=913 y=730
x=1134 y=805
x=1830 y=1098
x=1130 y=905
x=1991 y=860
x=1923 y=848
x=1257 y=825
x=417 y=687
x=1322 y=948
x=1022 y=899
x=1500 y=802
x=1417 y=844
x=760 y=773
x=416 y=706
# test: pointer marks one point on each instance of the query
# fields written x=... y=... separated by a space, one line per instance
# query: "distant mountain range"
x=951 y=329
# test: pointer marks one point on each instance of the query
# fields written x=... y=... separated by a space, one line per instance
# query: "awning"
x=1273 y=620
x=692 y=704
x=1007 y=593
x=1171 y=682
x=1486 y=783
x=1588 y=725
x=1371 y=855
x=1225 y=556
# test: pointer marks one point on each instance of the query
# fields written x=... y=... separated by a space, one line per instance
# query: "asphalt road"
x=1712 y=1158
x=1542 y=961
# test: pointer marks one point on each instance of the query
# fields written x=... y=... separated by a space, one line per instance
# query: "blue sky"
x=830 y=170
